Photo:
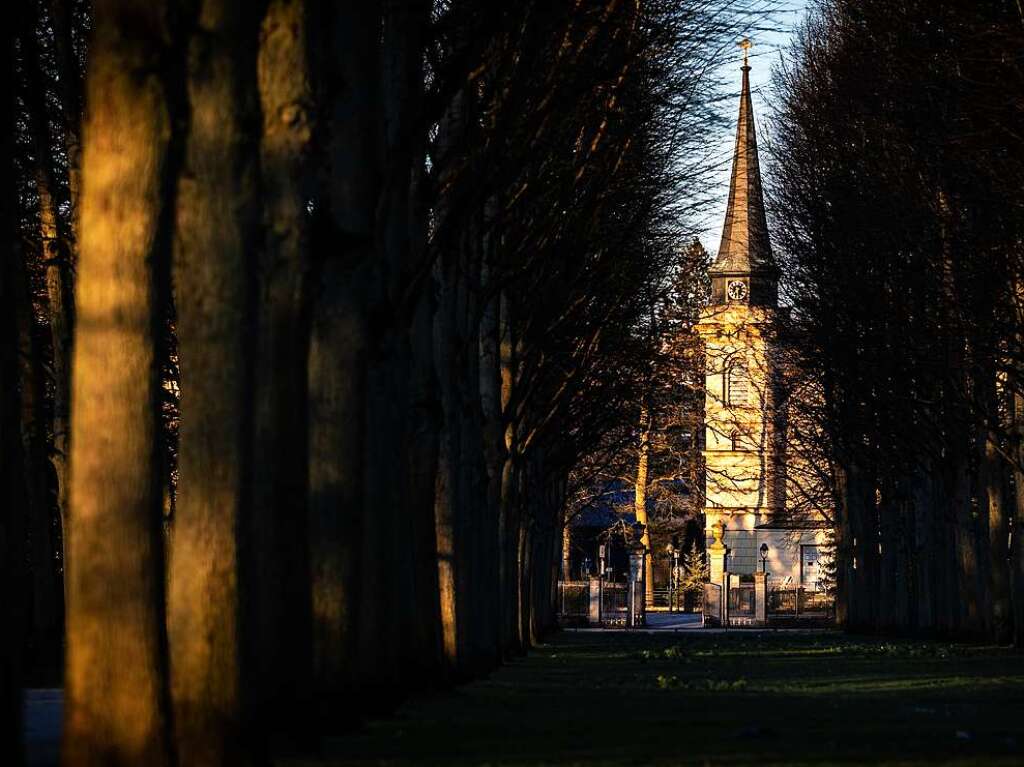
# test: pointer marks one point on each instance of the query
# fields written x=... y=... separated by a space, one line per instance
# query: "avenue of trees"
x=308 y=310
x=899 y=203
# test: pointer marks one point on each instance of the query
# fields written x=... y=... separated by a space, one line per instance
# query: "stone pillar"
x=761 y=598
x=594 y=606
x=724 y=611
x=635 y=595
x=717 y=552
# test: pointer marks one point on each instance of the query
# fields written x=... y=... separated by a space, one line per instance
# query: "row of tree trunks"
x=363 y=505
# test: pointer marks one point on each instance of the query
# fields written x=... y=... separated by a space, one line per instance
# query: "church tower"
x=743 y=485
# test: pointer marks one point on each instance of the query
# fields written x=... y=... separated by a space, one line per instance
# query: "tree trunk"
x=69 y=89
x=1017 y=548
x=1001 y=620
x=387 y=608
x=422 y=464
x=116 y=709
x=216 y=233
x=337 y=359
x=275 y=569
x=45 y=590
x=493 y=442
x=56 y=244
x=640 y=499
x=923 y=551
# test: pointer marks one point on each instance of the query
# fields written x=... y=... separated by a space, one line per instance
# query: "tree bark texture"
x=217 y=230
x=116 y=694
x=640 y=500
x=337 y=358
x=275 y=569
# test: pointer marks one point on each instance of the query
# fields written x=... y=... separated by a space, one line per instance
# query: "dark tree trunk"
x=217 y=230
x=337 y=359
x=275 y=568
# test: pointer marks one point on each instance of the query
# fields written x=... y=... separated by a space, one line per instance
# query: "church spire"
x=745 y=250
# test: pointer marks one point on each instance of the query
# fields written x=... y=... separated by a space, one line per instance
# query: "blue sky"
x=768 y=46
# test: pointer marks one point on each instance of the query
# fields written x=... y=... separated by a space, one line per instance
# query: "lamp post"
x=601 y=551
x=670 y=550
x=675 y=577
x=764 y=556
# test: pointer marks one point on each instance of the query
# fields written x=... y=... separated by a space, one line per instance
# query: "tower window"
x=737 y=385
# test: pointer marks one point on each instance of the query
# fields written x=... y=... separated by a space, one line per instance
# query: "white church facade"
x=755 y=518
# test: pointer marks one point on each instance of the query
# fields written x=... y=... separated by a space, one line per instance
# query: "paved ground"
x=673 y=621
x=44 y=710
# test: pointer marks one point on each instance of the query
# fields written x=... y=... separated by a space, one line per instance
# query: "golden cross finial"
x=745 y=44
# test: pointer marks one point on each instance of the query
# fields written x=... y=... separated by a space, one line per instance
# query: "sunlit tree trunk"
x=449 y=523
x=116 y=694
x=996 y=495
x=643 y=457
x=452 y=529
x=216 y=233
x=509 y=527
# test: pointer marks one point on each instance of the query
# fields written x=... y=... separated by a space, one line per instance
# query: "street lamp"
x=672 y=575
x=675 y=576
x=764 y=556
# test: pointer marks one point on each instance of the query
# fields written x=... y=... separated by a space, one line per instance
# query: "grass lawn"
x=739 y=698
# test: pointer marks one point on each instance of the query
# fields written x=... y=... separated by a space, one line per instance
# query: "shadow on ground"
x=736 y=698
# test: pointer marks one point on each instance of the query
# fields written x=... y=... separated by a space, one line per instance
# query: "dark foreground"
x=741 y=698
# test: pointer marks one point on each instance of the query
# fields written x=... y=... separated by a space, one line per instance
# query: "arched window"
x=737 y=384
x=734 y=440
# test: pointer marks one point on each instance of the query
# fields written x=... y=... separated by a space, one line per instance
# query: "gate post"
x=761 y=598
x=725 y=598
x=636 y=572
x=594 y=601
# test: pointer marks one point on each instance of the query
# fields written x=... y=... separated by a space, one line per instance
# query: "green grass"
x=741 y=698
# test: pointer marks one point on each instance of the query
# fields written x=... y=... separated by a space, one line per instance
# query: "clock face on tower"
x=737 y=290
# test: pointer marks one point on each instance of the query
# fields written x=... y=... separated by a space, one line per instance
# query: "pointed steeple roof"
x=745 y=247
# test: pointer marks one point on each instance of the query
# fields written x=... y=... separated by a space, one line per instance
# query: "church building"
x=750 y=521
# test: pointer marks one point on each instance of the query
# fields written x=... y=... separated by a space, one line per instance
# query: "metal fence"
x=741 y=601
x=794 y=606
x=800 y=603
x=574 y=599
x=614 y=603
x=575 y=606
